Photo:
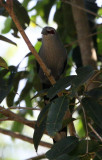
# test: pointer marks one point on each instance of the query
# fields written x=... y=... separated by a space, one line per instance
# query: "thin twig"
x=4 y=119
x=100 y=138
x=76 y=41
x=24 y=138
x=39 y=157
x=28 y=108
x=83 y=9
x=92 y=79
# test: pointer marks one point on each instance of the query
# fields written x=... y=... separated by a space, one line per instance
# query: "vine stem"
x=100 y=138
x=86 y=126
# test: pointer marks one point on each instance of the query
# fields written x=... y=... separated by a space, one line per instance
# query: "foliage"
x=87 y=104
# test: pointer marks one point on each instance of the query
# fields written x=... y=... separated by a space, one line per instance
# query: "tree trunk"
x=88 y=53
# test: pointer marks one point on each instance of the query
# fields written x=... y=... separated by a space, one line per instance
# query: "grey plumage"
x=52 y=53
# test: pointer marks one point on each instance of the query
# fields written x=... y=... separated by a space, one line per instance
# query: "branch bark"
x=24 y=138
x=38 y=157
x=88 y=53
x=12 y=116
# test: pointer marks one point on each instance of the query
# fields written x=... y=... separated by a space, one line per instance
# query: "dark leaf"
x=7 y=40
x=3 y=12
x=10 y=98
x=6 y=84
x=99 y=155
x=95 y=93
x=60 y=85
x=63 y=157
x=84 y=73
x=25 y=92
x=21 y=13
x=64 y=146
x=67 y=157
x=40 y=93
x=40 y=126
x=19 y=76
x=55 y=115
x=93 y=109
x=82 y=146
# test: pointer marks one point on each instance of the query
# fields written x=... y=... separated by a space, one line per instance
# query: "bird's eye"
x=51 y=32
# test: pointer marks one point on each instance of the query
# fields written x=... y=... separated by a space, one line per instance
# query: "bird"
x=53 y=54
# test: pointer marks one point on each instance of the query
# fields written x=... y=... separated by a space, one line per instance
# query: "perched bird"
x=53 y=55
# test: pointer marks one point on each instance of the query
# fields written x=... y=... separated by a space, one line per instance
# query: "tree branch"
x=27 y=108
x=77 y=41
x=88 y=53
x=24 y=138
x=18 y=118
x=81 y=8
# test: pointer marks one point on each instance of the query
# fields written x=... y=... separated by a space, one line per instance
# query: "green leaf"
x=7 y=40
x=40 y=126
x=93 y=109
x=43 y=8
x=37 y=46
x=28 y=104
x=99 y=155
x=17 y=127
x=99 y=41
x=83 y=74
x=25 y=3
x=64 y=146
x=60 y=85
x=55 y=115
x=7 y=25
x=3 y=63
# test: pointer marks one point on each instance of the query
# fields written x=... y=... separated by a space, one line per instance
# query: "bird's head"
x=48 y=31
